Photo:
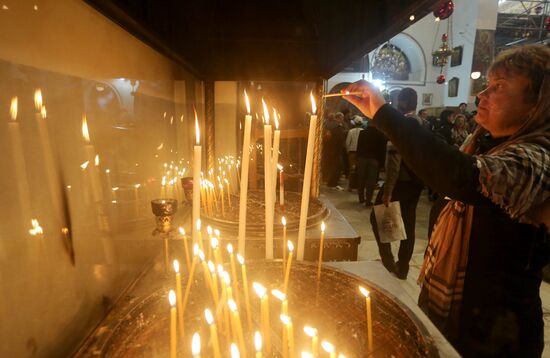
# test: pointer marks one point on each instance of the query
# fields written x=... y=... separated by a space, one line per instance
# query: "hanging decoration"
x=444 y=9
x=441 y=54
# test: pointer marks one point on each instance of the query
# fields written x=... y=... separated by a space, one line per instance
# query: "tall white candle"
x=196 y=178
x=307 y=182
x=244 y=178
x=275 y=157
x=267 y=186
x=21 y=178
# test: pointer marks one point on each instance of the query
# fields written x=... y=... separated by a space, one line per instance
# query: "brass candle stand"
x=164 y=211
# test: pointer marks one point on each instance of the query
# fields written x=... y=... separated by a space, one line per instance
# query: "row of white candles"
x=226 y=297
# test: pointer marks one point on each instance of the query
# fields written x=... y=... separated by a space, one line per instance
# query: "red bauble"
x=440 y=79
x=444 y=9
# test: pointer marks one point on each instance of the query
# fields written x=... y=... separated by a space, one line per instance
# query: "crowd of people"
x=490 y=225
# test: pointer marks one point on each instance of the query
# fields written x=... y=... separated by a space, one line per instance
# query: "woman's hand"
x=369 y=101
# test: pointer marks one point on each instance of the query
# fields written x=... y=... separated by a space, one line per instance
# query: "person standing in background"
x=351 y=148
x=371 y=153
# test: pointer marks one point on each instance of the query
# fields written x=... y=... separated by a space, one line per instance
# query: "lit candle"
x=92 y=158
x=264 y=299
x=287 y=321
x=329 y=348
x=234 y=351
x=21 y=178
x=179 y=297
x=245 y=289
x=196 y=178
x=312 y=332
x=321 y=246
x=258 y=344
x=191 y=274
x=228 y=192
x=366 y=293
x=136 y=198
x=275 y=156
x=198 y=238
x=209 y=232
x=234 y=276
x=236 y=325
x=288 y=265
x=213 y=333
x=267 y=186
x=281 y=297
x=186 y=249
x=196 y=345
x=173 y=338
x=215 y=246
x=281 y=185
x=307 y=181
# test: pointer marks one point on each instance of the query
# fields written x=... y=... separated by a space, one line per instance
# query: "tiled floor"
x=357 y=215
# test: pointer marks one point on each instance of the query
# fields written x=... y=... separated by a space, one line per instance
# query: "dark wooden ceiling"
x=264 y=39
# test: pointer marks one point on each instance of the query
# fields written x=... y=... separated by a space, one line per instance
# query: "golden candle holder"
x=164 y=211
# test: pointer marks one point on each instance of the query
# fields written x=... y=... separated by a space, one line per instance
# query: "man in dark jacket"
x=371 y=153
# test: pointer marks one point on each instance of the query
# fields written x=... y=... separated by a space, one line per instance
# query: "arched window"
x=391 y=64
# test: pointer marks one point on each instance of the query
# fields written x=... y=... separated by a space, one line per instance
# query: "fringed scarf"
x=514 y=175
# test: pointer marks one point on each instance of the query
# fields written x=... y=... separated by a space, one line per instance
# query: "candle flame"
x=290 y=246
x=313 y=105
x=280 y=167
x=84 y=165
x=208 y=316
x=266 y=112
x=85 y=132
x=327 y=346
x=260 y=290
x=196 y=249
x=285 y=319
x=221 y=271
x=283 y=220
x=209 y=230
x=364 y=291
x=276 y=118
x=36 y=228
x=226 y=278
x=323 y=226
x=232 y=305
x=217 y=232
x=107 y=171
x=341 y=355
x=13 y=108
x=230 y=249
x=96 y=160
x=161 y=145
x=115 y=188
x=176 y=266
x=279 y=295
x=235 y=351
x=211 y=267
x=247 y=102
x=310 y=331
x=172 y=298
x=306 y=355
x=38 y=99
x=181 y=230
x=240 y=259
x=214 y=242
x=258 y=341
x=43 y=112
x=197 y=130
x=196 y=344
x=201 y=255
x=198 y=224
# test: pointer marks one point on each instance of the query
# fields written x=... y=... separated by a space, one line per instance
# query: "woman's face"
x=503 y=106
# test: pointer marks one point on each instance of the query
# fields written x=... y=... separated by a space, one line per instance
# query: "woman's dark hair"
x=444 y=116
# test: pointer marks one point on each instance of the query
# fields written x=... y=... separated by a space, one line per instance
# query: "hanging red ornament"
x=440 y=79
x=547 y=24
x=444 y=9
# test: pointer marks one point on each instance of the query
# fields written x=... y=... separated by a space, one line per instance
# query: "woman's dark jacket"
x=501 y=314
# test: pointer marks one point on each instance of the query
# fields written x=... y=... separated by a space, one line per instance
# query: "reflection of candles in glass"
x=312 y=332
x=173 y=338
x=245 y=289
x=196 y=178
x=267 y=186
x=329 y=348
x=36 y=228
x=136 y=199
x=366 y=293
x=281 y=185
x=179 y=301
x=91 y=157
x=288 y=265
x=258 y=344
x=196 y=345
x=287 y=321
x=243 y=195
x=213 y=333
x=281 y=297
x=307 y=181
x=21 y=178
x=264 y=318
x=321 y=246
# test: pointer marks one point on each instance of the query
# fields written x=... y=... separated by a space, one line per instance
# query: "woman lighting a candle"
x=484 y=293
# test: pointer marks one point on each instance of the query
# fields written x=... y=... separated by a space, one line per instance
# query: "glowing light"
x=283 y=221
x=310 y=331
x=84 y=165
x=266 y=112
x=276 y=118
x=96 y=160
x=208 y=316
x=260 y=290
x=230 y=248
x=247 y=102
x=240 y=259
x=232 y=305
x=13 y=108
x=364 y=291
x=85 y=132
x=196 y=344
x=290 y=246
x=197 y=130
x=279 y=295
x=176 y=265
x=313 y=105
x=36 y=228
x=181 y=230
x=235 y=351
x=285 y=319
x=327 y=346
x=323 y=226
x=38 y=99
x=258 y=341
x=475 y=75
x=411 y=17
x=172 y=298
